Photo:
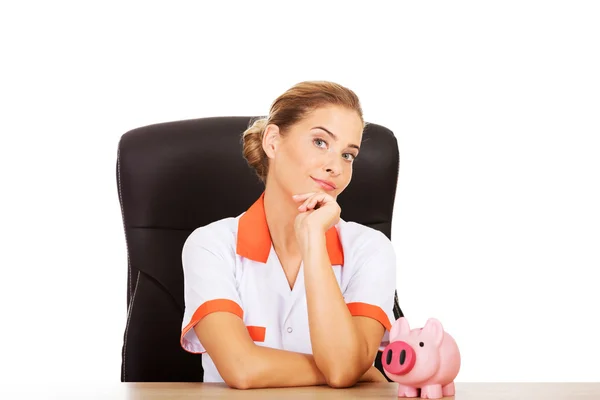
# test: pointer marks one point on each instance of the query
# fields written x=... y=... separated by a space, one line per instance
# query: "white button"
x=289 y=329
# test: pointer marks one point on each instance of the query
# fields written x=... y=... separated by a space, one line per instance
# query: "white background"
x=496 y=107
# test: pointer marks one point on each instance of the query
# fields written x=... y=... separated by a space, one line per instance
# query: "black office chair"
x=168 y=178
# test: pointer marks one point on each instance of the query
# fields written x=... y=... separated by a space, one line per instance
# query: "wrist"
x=313 y=240
x=315 y=233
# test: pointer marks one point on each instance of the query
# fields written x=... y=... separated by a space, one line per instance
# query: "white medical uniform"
x=230 y=265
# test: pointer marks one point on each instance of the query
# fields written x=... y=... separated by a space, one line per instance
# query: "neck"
x=281 y=211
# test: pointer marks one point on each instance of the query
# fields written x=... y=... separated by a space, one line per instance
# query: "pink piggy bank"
x=424 y=361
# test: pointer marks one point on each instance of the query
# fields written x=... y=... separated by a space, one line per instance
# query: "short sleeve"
x=372 y=287
x=209 y=282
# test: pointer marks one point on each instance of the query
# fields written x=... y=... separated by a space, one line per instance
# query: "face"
x=316 y=153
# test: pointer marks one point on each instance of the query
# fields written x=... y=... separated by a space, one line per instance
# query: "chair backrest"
x=170 y=181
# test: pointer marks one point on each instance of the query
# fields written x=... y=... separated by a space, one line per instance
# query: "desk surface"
x=188 y=391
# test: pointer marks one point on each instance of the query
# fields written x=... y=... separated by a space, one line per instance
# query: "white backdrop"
x=496 y=107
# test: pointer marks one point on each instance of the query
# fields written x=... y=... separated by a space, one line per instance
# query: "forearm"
x=244 y=365
x=280 y=368
x=337 y=346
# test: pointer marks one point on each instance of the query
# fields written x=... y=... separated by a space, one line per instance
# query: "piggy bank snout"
x=398 y=358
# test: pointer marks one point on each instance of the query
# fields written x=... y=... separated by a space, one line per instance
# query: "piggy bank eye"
x=421 y=344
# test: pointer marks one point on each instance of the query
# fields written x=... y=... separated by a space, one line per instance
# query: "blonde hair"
x=288 y=109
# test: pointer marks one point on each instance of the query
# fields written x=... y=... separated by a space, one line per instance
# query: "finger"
x=310 y=202
x=305 y=204
x=302 y=196
x=315 y=201
x=302 y=207
x=319 y=201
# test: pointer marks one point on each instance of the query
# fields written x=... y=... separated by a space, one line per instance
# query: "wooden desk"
x=195 y=391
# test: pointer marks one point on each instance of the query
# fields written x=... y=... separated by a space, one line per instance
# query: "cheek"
x=348 y=171
x=298 y=160
x=347 y=174
x=306 y=160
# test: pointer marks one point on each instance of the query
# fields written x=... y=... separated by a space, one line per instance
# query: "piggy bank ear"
x=399 y=328
x=434 y=331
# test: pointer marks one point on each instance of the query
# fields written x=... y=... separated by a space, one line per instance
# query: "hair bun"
x=253 y=151
x=257 y=127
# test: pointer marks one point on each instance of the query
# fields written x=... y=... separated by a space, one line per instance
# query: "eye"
x=421 y=344
x=352 y=156
x=318 y=142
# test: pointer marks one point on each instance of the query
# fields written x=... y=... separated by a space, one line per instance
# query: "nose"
x=332 y=171
x=398 y=358
x=333 y=163
x=333 y=168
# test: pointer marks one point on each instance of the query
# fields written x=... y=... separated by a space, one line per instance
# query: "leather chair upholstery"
x=174 y=177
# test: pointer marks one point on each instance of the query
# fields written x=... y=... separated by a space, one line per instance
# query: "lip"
x=327 y=185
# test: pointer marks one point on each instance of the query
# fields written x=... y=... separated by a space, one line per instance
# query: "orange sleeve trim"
x=212 y=306
x=371 y=311
x=257 y=333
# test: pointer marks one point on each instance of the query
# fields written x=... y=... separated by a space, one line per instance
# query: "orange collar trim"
x=254 y=239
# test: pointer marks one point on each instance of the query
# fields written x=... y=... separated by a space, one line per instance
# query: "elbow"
x=343 y=379
x=241 y=374
x=341 y=376
x=238 y=380
x=340 y=372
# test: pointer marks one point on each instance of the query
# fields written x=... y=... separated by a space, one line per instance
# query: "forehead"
x=341 y=121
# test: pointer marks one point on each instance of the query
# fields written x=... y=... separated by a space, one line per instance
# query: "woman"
x=287 y=293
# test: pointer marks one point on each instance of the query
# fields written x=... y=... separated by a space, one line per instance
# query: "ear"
x=434 y=330
x=270 y=140
x=399 y=328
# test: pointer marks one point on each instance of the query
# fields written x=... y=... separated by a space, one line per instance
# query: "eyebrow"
x=335 y=137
